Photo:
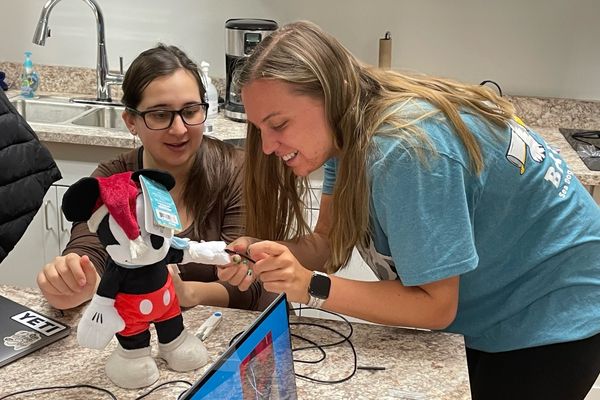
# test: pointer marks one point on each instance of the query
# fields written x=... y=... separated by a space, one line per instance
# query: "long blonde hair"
x=360 y=101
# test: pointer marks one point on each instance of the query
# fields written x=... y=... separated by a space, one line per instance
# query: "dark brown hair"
x=214 y=165
x=153 y=63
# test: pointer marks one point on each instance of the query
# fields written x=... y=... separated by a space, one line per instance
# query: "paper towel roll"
x=385 y=51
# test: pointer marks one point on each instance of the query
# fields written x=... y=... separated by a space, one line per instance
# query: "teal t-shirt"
x=524 y=235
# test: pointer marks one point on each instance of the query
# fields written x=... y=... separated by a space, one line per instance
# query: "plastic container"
x=212 y=97
x=29 y=78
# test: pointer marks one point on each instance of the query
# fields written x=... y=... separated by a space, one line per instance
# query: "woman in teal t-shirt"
x=472 y=223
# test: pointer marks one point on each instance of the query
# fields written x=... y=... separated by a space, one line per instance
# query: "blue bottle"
x=29 y=78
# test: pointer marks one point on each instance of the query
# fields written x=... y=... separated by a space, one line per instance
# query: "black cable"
x=108 y=392
x=336 y=315
x=161 y=385
x=237 y=335
x=315 y=345
x=493 y=83
x=345 y=338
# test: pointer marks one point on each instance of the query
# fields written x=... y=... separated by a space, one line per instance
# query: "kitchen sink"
x=104 y=117
x=47 y=111
x=61 y=111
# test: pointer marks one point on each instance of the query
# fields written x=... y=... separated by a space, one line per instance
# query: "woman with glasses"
x=165 y=105
x=471 y=222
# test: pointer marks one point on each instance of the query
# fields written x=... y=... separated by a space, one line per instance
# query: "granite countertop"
x=418 y=364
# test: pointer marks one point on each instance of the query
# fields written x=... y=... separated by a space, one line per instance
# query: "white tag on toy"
x=161 y=217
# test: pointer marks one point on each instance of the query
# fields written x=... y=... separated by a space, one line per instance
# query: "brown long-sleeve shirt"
x=223 y=222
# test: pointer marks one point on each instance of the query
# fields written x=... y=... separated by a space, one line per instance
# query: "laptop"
x=23 y=331
x=258 y=365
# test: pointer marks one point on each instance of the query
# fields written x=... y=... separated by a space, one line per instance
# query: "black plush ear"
x=79 y=200
x=157 y=175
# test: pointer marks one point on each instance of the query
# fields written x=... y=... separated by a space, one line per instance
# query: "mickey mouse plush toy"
x=136 y=288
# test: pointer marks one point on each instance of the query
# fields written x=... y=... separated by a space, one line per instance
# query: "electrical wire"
x=83 y=386
x=345 y=338
x=315 y=345
x=493 y=83
x=68 y=387
x=162 y=385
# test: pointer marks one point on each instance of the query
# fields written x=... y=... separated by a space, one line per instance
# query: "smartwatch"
x=318 y=289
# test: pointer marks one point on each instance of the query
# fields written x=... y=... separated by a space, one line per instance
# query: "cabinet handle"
x=62 y=223
x=46 y=205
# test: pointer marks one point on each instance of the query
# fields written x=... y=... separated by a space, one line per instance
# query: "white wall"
x=531 y=47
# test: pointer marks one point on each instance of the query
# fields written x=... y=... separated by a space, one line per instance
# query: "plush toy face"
x=117 y=243
x=114 y=208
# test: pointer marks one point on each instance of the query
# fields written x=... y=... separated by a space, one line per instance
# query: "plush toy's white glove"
x=99 y=323
x=206 y=253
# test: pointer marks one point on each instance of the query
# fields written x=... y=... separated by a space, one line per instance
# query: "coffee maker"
x=241 y=37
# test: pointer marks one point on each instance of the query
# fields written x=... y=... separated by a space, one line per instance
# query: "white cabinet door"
x=38 y=244
x=64 y=226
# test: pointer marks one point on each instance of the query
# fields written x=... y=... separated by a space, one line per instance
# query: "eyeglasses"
x=156 y=120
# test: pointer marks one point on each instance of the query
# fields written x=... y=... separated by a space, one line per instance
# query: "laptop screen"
x=258 y=365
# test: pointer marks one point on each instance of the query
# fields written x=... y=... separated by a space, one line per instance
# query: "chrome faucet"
x=104 y=78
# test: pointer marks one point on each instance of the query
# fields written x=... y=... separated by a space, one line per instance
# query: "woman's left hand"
x=240 y=271
x=280 y=271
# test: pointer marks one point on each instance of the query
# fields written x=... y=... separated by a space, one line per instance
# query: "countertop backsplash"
x=557 y=113
x=535 y=111
x=64 y=79
x=54 y=78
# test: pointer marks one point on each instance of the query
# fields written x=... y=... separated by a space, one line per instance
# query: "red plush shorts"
x=138 y=310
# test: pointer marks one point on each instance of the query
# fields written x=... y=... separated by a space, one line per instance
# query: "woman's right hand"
x=237 y=273
x=68 y=281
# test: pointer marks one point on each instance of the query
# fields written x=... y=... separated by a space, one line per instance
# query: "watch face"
x=319 y=286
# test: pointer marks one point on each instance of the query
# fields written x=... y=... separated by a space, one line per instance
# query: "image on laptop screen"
x=258 y=365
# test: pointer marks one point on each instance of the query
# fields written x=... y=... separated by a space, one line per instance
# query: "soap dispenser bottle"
x=212 y=96
x=29 y=78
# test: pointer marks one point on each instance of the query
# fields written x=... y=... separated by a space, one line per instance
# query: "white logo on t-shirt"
x=520 y=141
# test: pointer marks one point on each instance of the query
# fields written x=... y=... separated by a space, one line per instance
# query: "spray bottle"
x=29 y=78
x=212 y=97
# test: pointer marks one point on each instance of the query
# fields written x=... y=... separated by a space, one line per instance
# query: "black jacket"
x=26 y=172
